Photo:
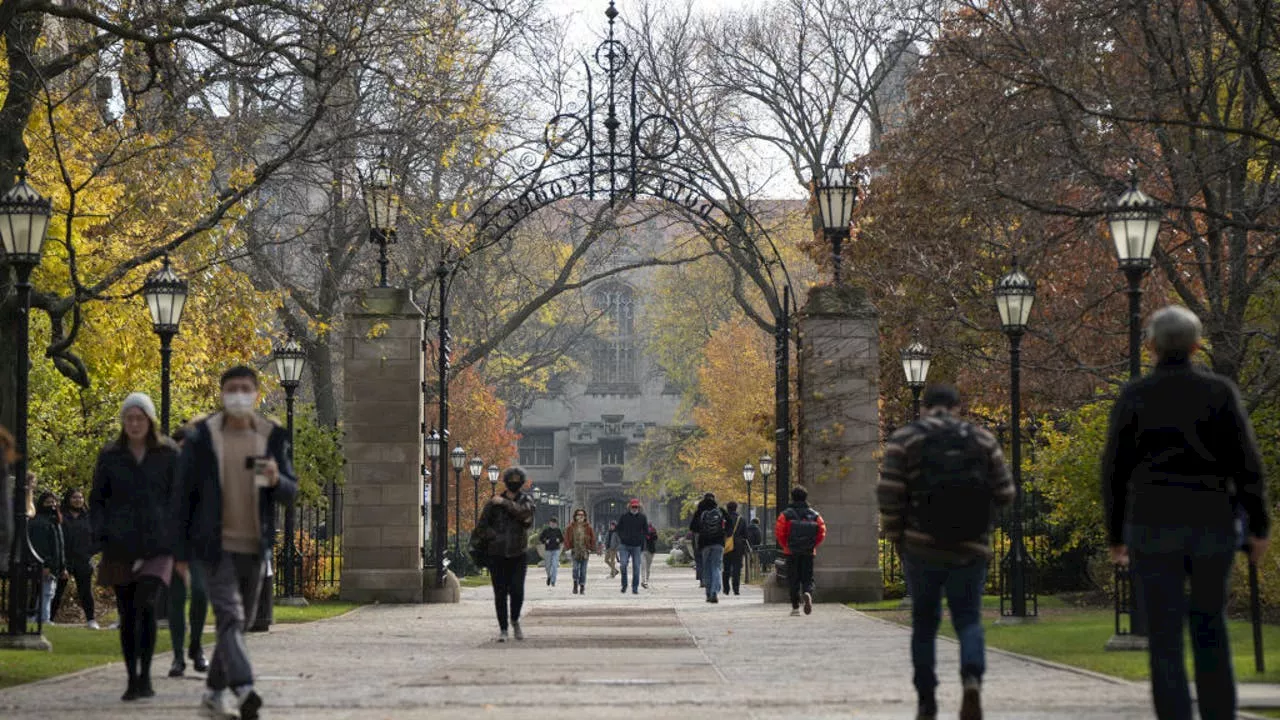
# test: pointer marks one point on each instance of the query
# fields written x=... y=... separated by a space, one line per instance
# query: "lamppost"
x=1015 y=293
x=383 y=205
x=476 y=467
x=915 y=365
x=1134 y=221
x=494 y=471
x=166 y=296
x=837 y=193
x=766 y=469
x=457 y=458
x=748 y=474
x=438 y=517
x=24 y=220
x=290 y=359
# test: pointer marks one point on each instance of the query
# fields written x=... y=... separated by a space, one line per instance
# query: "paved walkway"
x=588 y=656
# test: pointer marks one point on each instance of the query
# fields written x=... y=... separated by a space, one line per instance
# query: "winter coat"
x=736 y=526
x=551 y=538
x=611 y=540
x=77 y=530
x=706 y=536
x=45 y=533
x=504 y=526
x=632 y=527
x=755 y=535
x=782 y=529
x=199 y=515
x=133 y=504
x=589 y=542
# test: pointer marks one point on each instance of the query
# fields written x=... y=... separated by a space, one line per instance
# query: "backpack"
x=951 y=499
x=711 y=523
x=804 y=531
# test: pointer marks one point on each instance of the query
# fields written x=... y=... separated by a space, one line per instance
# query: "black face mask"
x=514 y=488
x=48 y=510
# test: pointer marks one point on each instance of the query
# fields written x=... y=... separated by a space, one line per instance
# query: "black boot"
x=927 y=707
x=177 y=668
x=131 y=692
x=144 y=687
x=198 y=660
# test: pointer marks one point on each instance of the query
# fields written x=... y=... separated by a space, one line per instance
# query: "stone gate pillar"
x=382 y=416
x=839 y=389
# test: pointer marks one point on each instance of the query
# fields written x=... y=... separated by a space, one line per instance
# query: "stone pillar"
x=382 y=417
x=839 y=371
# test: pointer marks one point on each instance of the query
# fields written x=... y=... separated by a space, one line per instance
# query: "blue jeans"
x=1163 y=561
x=962 y=586
x=48 y=586
x=580 y=571
x=553 y=565
x=712 y=564
x=630 y=555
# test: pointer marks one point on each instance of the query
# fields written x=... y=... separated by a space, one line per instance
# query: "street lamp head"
x=458 y=458
x=748 y=472
x=290 y=359
x=915 y=364
x=1135 y=223
x=166 y=296
x=1015 y=293
x=24 y=220
x=433 y=444
x=494 y=472
x=766 y=464
x=381 y=201
x=477 y=467
x=837 y=193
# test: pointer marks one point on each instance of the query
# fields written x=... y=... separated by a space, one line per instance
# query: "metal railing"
x=317 y=560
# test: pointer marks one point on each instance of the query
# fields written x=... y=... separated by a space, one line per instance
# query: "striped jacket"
x=900 y=470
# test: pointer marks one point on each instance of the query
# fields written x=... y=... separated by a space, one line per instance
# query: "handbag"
x=728 y=542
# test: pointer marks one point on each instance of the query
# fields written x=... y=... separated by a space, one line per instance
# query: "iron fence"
x=32 y=600
x=317 y=559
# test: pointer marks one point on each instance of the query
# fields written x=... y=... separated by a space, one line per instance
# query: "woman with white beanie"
x=134 y=501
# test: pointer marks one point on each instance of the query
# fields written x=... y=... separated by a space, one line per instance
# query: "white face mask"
x=239 y=404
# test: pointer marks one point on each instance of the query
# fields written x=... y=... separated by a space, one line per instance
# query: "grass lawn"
x=1076 y=636
x=76 y=648
x=472 y=581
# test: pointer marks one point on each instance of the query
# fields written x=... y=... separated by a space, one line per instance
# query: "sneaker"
x=795 y=612
x=502 y=636
x=971 y=701
x=212 y=704
x=178 y=668
x=808 y=603
x=714 y=599
x=624 y=588
x=248 y=702
x=515 y=628
x=644 y=585
x=93 y=625
x=548 y=582
x=635 y=591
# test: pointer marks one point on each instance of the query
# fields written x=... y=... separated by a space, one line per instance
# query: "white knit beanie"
x=142 y=401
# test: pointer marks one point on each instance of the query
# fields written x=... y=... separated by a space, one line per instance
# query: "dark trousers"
x=507 y=575
x=82 y=572
x=233 y=585
x=178 y=606
x=136 y=603
x=1164 y=561
x=800 y=576
x=962 y=586
x=733 y=572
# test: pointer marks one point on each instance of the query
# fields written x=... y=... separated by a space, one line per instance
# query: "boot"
x=198 y=660
x=178 y=668
x=131 y=692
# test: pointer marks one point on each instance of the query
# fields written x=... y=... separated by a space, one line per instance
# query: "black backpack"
x=804 y=531
x=711 y=522
x=951 y=498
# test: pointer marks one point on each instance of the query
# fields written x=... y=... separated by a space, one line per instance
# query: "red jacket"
x=782 y=529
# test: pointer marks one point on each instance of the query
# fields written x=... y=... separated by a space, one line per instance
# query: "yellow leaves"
x=378 y=330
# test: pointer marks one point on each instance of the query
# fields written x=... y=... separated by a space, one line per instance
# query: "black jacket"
x=47 y=541
x=77 y=531
x=504 y=526
x=132 y=504
x=739 y=533
x=632 y=528
x=551 y=538
x=1181 y=450
x=199 y=515
x=704 y=537
x=755 y=535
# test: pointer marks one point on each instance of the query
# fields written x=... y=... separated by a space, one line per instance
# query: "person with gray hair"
x=1180 y=466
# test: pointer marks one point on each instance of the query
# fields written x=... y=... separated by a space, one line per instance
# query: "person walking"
x=631 y=530
x=1180 y=464
x=939 y=481
x=552 y=538
x=77 y=534
x=135 y=488
x=755 y=540
x=708 y=526
x=580 y=541
x=235 y=468
x=501 y=538
x=49 y=544
x=650 y=548
x=735 y=548
x=800 y=531
x=611 y=545
x=182 y=584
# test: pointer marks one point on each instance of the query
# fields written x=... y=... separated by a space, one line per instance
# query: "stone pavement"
x=665 y=653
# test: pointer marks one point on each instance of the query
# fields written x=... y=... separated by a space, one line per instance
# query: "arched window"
x=614 y=360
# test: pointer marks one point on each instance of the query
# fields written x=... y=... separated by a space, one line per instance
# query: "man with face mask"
x=234 y=467
x=632 y=527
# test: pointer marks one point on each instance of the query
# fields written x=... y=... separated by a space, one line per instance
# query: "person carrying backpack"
x=800 y=530
x=940 y=480
x=709 y=526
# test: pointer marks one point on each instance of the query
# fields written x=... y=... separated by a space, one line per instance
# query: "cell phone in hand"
x=258 y=464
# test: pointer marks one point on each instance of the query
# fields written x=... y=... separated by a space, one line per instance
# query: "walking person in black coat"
x=135 y=486
x=735 y=548
x=501 y=538
x=77 y=535
x=45 y=533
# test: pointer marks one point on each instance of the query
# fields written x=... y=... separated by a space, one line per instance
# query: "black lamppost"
x=383 y=206
x=915 y=365
x=766 y=469
x=166 y=296
x=494 y=471
x=438 y=517
x=290 y=359
x=476 y=467
x=1015 y=293
x=457 y=458
x=837 y=193
x=24 y=220
x=1134 y=221
x=748 y=475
